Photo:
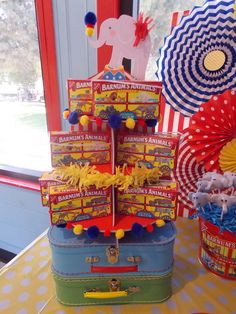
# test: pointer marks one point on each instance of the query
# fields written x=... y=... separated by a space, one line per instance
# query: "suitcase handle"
x=113 y=269
x=105 y=295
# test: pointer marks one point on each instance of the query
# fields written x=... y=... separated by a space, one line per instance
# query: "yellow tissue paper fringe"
x=82 y=177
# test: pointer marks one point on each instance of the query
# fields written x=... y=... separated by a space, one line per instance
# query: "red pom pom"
x=69 y=225
x=99 y=121
x=141 y=122
x=107 y=233
x=150 y=228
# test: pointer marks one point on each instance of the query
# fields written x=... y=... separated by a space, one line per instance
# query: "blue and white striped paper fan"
x=198 y=59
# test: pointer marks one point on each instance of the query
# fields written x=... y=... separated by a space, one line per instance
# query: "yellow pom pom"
x=160 y=223
x=66 y=114
x=89 y=31
x=120 y=234
x=84 y=120
x=78 y=229
x=130 y=123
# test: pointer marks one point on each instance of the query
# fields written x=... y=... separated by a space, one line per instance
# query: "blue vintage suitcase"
x=78 y=256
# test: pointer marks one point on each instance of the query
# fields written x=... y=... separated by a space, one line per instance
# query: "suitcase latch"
x=134 y=259
x=114 y=284
x=92 y=259
x=112 y=253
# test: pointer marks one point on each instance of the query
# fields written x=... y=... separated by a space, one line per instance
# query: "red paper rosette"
x=187 y=173
x=213 y=127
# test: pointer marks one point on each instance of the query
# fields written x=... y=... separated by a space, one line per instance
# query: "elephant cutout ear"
x=126 y=29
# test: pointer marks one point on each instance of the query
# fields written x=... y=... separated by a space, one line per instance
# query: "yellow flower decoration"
x=227 y=158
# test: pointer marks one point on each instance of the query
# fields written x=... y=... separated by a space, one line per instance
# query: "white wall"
x=22 y=217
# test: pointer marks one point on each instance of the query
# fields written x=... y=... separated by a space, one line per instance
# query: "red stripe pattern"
x=187 y=173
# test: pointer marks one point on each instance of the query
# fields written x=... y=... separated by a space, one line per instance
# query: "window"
x=23 y=127
x=161 y=12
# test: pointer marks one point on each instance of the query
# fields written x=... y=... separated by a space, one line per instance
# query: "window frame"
x=47 y=47
x=45 y=23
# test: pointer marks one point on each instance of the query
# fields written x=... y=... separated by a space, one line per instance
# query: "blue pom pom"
x=115 y=121
x=137 y=229
x=93 y=232
x=73 y=117
x=151 y=122
x=90 y=18
x=61 y=226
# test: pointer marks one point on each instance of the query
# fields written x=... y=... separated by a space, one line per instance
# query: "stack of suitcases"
x=100 y=272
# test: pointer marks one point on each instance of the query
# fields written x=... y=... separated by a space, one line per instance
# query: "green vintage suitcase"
x=112 y=290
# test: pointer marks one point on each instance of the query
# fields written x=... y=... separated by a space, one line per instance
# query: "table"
x=27 y=287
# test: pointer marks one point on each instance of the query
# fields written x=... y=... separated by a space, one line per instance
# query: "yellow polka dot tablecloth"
x=27 y=287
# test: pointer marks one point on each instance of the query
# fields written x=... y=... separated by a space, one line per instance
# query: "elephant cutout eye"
x=109 y=27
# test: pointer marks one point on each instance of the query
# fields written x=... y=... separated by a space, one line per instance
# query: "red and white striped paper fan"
x=187 y=173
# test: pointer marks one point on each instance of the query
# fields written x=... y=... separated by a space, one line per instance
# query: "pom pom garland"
x=120 y=234
x=78 y=229
x=73 y=117
x=93 y=232
x=137 y=229
x=66 y=113
x=149 y=228
x=69 y=225
x=115 y=121
x=99 y=121
x=141 y=122
x=84 y=120
x=107 y=233
x=160 y=223
x=151 y=122
x=61 y=226
x=130 y=123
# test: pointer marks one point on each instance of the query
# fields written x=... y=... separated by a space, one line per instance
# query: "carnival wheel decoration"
x=198 y=59
x=187 y=173
x=212 y=128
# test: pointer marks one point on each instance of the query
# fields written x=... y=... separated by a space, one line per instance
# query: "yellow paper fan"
x=227 y=157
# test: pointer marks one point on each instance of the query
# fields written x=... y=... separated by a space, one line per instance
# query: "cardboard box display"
x=130 y=99
x=81 y=148
x=74 y=205
x=149 y=201
x=45 y=182
x=156 y=150
x=80 y=96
